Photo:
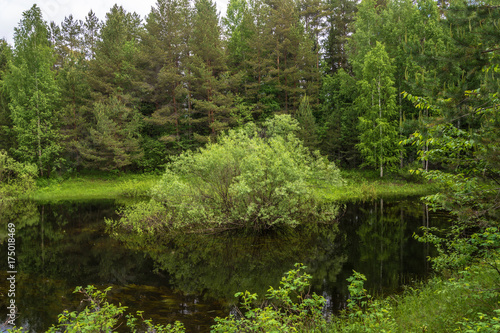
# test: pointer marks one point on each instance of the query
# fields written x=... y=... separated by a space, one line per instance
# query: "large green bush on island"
x=254 y=178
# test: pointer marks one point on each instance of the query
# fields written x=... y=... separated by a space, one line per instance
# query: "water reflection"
x=192 y=277
x=217 y=266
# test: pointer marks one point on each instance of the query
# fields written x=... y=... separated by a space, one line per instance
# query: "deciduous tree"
x=377 y=106
x=30 y=83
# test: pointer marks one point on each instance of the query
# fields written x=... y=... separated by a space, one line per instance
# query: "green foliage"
x=101 y=316
x=113 y=141
x=308 y=129
x=483 y=323
x=377 y=108
x=250 y=178
x=291 y=308
x=466 y=302
x=98 y=316
x=15 y=178
x=31 y=86
x=363 y=313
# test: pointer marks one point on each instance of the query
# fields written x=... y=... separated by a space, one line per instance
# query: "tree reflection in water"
x=193 y=278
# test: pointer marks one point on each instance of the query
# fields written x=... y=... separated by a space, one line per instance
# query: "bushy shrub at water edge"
x=255 y=178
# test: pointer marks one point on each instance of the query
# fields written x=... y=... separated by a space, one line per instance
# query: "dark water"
x=193 y=278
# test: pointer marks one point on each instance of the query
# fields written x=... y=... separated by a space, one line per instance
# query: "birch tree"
x=377 y=104
x=31 y=86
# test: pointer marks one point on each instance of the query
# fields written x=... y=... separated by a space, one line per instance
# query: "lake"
x=193 y=278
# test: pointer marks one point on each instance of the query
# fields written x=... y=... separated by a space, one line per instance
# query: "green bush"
x=101 y=316
x=253 y=178
x=291 y=308
x=15 y=178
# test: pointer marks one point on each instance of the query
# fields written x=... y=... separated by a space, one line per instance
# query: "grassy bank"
x=367 y=185
x=94 y=187
x=359 y=186
x=466 y=301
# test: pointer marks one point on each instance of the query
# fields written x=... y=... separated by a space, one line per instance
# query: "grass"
x=367 y=185
x=464 y=302
x=360 y=186
x=94 y=187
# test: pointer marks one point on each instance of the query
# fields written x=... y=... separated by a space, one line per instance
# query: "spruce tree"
x=308 y=129
x=260 y=91
x=113 y=142
x=339 y=118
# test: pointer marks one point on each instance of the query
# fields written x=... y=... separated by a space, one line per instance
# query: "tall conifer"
x=210 y=79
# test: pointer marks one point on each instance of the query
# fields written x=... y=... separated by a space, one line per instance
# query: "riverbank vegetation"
x=358 y=185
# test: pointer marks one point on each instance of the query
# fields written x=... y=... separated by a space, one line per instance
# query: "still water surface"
x=193 y=278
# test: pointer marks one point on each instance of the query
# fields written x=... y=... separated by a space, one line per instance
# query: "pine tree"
x=91 y=30
x=74 y=90
x=113 y=70
x=210 y=79
x=312 y=14
x=339 y=28
x=72 y=38
x=377 y=106
x=165 y=53
x=30 y=83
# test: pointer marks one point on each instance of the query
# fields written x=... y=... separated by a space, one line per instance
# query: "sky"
x=56 y=10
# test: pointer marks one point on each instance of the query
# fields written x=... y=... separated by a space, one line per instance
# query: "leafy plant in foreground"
x=101 y=316
x=290 y=309
x=363 y=313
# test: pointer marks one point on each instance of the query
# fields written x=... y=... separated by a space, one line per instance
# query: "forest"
x=251 y=115
x=127 y=94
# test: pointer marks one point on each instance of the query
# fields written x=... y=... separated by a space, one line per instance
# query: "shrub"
x=15 y=177
x=291 y=308
x=253 y=178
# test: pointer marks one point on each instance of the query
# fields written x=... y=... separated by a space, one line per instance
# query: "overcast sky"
x=56 y=10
